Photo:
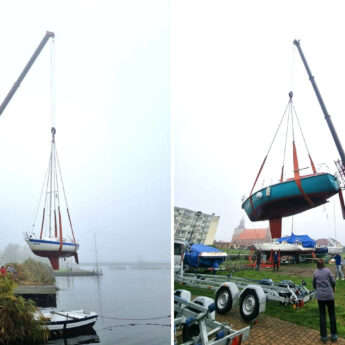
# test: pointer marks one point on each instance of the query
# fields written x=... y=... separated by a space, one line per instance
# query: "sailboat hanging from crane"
x=300 y=193
x=293 y=195
x=52 y=243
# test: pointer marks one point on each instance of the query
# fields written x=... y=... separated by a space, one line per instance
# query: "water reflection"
x=125 y=300
x=88 y=337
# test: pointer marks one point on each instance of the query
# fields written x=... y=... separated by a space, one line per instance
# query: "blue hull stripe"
x=54 y=242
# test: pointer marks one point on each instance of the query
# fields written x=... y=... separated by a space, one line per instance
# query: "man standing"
x=324 y=284
x=276 y=261
x=258 y=260
x=339 y=273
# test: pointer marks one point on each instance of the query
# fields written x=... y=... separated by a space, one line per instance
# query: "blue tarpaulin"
x=306 y=241
x=192 y=256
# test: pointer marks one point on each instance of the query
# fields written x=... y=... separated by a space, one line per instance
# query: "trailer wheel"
x=189 y=331
x=223 y=300
x=249 y=305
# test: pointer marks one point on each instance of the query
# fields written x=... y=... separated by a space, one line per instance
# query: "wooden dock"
x=43 y=295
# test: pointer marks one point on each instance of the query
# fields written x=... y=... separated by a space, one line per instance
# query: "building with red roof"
x=247 y=237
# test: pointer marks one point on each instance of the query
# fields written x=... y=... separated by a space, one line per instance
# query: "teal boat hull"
x=285 y=199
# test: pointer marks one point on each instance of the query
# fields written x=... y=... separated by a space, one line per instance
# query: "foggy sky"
x=233 y=65
x=112 y=82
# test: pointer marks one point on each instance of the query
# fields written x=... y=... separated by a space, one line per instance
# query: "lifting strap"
x=297 y=176
x=282 y=174
x=70 y=222
x=312 y=164
x=251 y=195
x=44 y=212
x=55 y=224
x=60 y=230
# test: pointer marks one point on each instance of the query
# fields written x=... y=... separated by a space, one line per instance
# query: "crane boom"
x=25 y=70
x=322 y=104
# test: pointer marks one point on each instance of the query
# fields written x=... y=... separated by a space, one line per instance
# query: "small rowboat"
x=61 y=322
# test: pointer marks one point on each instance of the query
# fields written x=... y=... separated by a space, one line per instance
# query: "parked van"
x=179 y=250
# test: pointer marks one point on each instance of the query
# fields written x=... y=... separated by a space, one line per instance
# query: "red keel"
x=54 y=262
x=276 y=227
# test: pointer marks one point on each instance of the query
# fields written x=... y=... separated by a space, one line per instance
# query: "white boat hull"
x=52 y=246
x=335 y=250
x=52 y=249
x=283 y=247
x=63 y=322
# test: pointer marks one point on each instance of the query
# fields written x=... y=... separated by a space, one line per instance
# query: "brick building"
x=243 y=237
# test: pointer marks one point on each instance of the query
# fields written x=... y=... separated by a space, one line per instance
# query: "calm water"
x=122 y=296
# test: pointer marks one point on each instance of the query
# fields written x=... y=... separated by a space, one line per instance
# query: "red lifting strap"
x=60 y=230
x=312 y=164
x=44 y=212
x=70 y=222
x=297 y=176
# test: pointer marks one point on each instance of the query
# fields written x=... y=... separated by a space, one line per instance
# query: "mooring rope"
x=131 y=319
x=133 y=324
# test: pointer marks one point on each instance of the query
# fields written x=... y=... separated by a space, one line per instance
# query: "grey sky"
x=233 y=64
x=112 y=119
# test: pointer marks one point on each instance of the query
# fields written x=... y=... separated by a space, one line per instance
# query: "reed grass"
x=17 y=322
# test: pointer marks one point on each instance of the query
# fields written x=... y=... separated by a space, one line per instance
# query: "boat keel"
x=276 y=227
x=54 y=262
x=76 y=257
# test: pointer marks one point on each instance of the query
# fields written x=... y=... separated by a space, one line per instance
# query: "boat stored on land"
x=294 y=244
x=283 y=247
x=200 y=255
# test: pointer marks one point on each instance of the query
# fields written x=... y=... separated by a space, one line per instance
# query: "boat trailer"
x=250 y=294
x=197 y=321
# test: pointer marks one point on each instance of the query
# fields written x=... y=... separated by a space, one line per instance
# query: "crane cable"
x=286 y=135
x=264 y=161
x=305 y=142
x=52 y=82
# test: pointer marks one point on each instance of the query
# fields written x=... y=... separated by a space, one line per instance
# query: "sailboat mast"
x=322 y=104
x=52 y=174
x=94 y=235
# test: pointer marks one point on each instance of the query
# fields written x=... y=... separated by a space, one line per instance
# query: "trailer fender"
x=184 y=294
x=206 y=302
x=252 y=302
x=227 y=296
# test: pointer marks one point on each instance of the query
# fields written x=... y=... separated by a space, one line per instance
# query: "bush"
x=17 y=322
x=32 y=271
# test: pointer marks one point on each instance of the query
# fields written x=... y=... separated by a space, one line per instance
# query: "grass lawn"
x=308 y=315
